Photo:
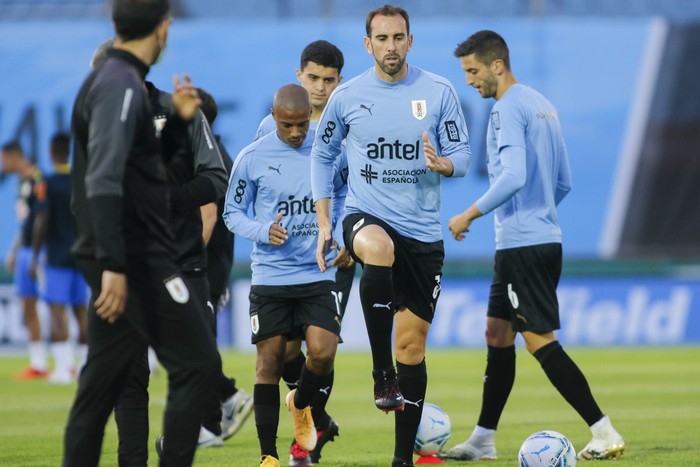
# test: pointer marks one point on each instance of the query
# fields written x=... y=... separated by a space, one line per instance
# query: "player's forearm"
x=460 y=162
x=322 y=185
x=323 y=212
x=209 y=213
x=240 y=224
x=197 y=192
x=106 y=217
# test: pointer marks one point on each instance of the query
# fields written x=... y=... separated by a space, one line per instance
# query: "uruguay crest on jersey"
x=420 y=108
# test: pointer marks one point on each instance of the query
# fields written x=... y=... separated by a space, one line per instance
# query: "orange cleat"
x=31 y=373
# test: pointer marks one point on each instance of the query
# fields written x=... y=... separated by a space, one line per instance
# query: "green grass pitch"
x=652 y=396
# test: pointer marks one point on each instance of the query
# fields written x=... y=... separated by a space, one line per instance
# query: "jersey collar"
x=141 y=67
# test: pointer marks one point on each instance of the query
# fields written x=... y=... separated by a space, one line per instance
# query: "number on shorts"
x=338 y=296
x=436 y=290
x=513 y=297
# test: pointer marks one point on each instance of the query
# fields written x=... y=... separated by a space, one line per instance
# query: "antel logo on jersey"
x=296 y=206
x=395 y=150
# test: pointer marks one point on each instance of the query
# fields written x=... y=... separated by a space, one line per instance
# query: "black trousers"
x=159 y=312
x=211 y=419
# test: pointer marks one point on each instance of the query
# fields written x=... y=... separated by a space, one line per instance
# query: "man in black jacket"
x=120 y=203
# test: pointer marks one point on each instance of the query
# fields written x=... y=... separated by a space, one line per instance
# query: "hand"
x=278 y=234
x=112 y=300
x=223 y=299
x=185 y=97
x=433 y=161
x=324 y=240
x=459 y=224
x=344 y=259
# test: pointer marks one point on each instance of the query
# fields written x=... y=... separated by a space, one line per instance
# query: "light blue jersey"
x=382 y=124
x=274 y=177
x=523 y=118
x=268 y=125
x=340 y=176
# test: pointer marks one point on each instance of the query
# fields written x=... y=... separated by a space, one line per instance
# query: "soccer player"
x=19 y=257
x=530 y=175
x=197 y=178
x=125 y=249
x=63 y=285
x=318 y=73
x=404 y=130
x=289 y=297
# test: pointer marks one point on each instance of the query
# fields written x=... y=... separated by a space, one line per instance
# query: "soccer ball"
x=547 y=449
x=433 y=431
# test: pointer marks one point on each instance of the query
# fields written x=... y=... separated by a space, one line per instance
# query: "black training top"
x=196 y=174
x=220 y=247
x=120 y=197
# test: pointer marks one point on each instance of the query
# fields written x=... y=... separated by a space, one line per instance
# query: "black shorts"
x=417 y=268
x=287 y=310
x=524 y=287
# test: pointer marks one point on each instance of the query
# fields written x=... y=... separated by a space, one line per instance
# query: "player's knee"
x=269 y=368
x=320 y=361
x=497 y=338
x=292 y=350
x=410 y=351
x=376 y=250
x=500 y=334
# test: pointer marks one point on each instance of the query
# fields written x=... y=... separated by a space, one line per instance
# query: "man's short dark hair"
x=134 y=19
x=486 y=46
x=386 y=10
x=12 y=146
x=60 y=146
x=323 y=53
x=209 y=107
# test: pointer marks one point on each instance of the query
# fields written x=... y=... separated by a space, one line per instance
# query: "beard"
x=392 y=69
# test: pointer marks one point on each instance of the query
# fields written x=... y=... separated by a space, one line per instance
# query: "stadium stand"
x=679 y=10
x=44 y=9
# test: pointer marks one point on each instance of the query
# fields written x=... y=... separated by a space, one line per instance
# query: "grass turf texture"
x=651 y=394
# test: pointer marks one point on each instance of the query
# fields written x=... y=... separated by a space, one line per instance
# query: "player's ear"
x=497 y=66
x=410 y=42
x=368 y=44
x=298 y=75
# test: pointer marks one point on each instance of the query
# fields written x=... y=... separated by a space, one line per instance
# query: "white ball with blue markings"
x=433 y=432
x=547 y=449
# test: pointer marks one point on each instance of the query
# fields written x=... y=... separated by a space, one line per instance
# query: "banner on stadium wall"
x=594 y=312
x=601 y=311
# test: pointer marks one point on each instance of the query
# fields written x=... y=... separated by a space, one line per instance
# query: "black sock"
x=377 y=297
x=498 y=381
x=228 y=387
x=307 y=388
x=292 y=370
x=569 y=381
x=318 y=404
x=266 y=399
x=413 y=380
